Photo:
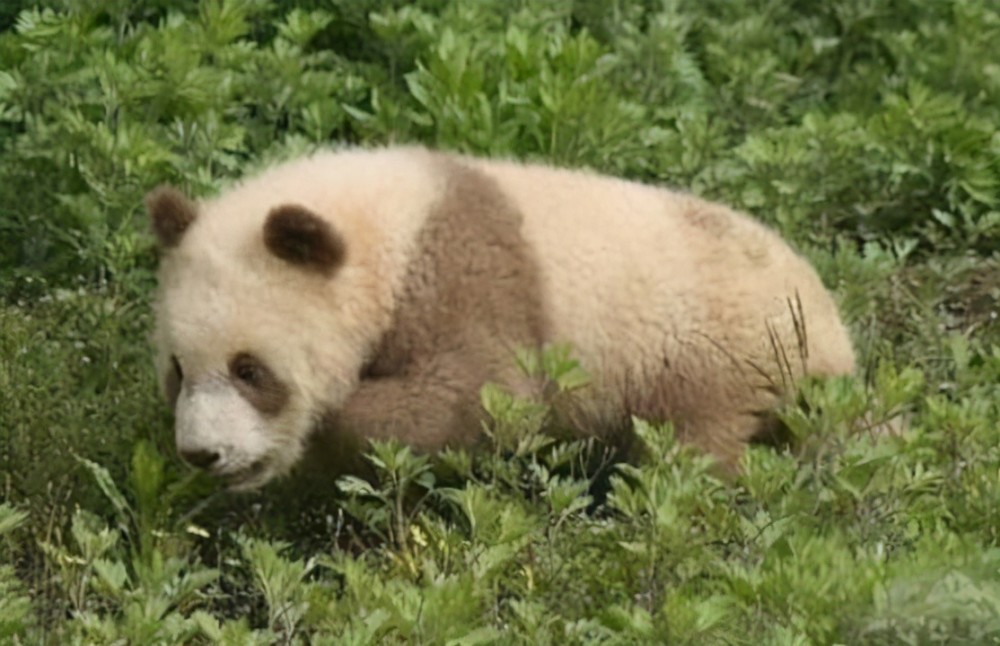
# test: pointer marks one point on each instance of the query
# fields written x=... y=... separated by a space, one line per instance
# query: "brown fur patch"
x=708 y=217
x=471 y=297
x=299 y=236
x=258 y=384
x=171 y=213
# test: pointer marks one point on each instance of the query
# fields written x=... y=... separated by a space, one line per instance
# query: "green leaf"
x=109 y=489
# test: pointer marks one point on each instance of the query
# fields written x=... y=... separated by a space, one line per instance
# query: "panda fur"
x=364 y=294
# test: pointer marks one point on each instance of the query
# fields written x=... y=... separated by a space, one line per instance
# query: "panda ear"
x=171 y=213
x=299 y=236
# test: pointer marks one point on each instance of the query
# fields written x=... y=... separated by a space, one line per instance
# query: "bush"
x=865 y=132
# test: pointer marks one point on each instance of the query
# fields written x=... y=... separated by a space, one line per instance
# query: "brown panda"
x=371 y=293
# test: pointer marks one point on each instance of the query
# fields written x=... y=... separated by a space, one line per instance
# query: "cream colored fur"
x=668 y=300
x=634 y=274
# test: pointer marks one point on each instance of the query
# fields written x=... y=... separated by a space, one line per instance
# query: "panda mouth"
x=246 y=478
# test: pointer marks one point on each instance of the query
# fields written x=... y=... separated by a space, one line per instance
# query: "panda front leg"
x=426 y=407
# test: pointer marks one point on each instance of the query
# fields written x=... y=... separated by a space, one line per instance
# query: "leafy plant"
x=863 y=131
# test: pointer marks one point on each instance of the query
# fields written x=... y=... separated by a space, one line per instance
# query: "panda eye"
x=247 y=373
x=258 y=384
x=247 y=369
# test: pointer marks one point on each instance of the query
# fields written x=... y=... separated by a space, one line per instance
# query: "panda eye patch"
x=257 y=383
x=249 y=370
x=172 y=381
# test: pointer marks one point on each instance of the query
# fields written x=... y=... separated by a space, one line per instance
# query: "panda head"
x=257 y=329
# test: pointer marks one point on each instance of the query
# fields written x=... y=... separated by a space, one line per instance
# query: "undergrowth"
x=865 y=132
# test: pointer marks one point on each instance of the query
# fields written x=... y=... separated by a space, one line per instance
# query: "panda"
x=366 y=294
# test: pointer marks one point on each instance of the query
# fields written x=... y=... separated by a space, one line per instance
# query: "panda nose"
x=200 y=458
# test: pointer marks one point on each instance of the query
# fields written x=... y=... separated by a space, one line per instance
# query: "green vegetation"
x=866 y=131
